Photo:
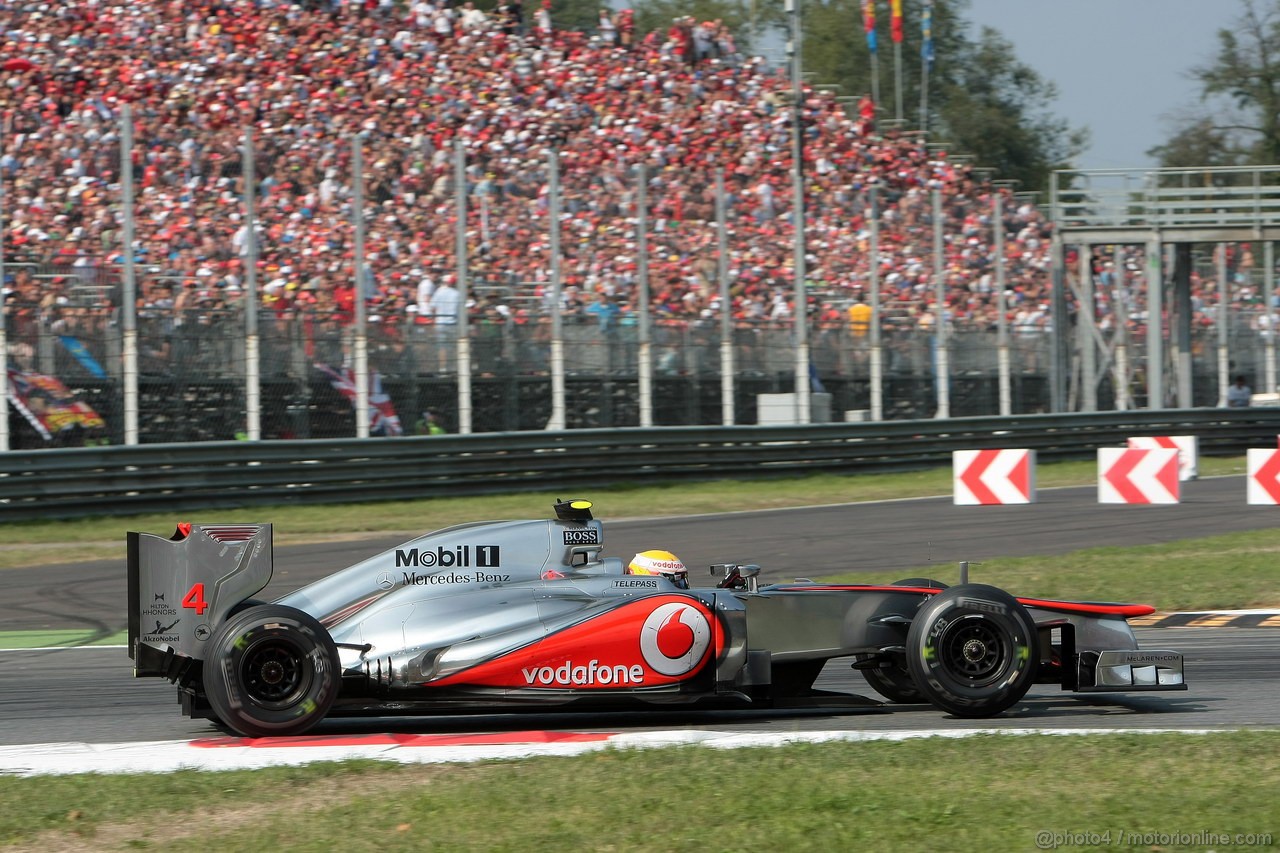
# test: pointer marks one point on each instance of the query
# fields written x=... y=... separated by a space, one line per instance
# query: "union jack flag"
x=382 y=415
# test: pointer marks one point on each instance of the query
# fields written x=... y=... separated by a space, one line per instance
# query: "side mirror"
x=736 y=576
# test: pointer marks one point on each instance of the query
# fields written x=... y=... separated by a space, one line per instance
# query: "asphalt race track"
x=89 y=695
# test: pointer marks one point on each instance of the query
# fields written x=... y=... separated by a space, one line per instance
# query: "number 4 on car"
x=194 y=599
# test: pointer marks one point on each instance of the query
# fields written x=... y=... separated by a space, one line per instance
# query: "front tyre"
x=972 y=650
x=271 y=671
x=894 y=683
x=920 y=582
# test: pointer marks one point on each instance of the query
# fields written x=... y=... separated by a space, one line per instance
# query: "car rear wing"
x=181 y=588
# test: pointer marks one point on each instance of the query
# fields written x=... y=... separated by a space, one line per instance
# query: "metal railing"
x=234 y=474
x=1209 y=198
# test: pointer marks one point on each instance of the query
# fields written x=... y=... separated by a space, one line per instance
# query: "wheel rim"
x=974 y=650
x=274 y=673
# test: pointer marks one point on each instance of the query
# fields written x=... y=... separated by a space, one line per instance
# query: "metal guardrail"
x=49 y=484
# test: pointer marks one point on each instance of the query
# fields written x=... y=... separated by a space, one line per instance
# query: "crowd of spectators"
x=411 y=78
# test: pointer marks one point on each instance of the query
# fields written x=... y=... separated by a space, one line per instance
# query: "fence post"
x=1155 y=323
x=1120 y=311
x=1268 y=293
x=800 y=312
x=362 y=307
x=557 y=420
x=129 y=306
x=1002 y=321
x=460 y=249
x=644 y=364
x=1181 y=313
x=4 y=337
x=942 y=355
x=876 y=344
x=1084 y=331
x=1058 y=355
x=252 y=343
x=1223 y=317
x=727 y=416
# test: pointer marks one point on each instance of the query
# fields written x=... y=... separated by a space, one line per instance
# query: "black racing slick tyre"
x=972 y=650
x=271 y=671
x=244 y=605
x=894 y=683
x=920 y=582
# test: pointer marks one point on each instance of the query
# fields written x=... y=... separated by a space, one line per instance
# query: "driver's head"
x=658 y=562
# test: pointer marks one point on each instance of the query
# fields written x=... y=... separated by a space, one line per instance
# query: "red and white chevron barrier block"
x=1188 y=447
x=1129 y=475
x=1263 y=480
x=984 y=477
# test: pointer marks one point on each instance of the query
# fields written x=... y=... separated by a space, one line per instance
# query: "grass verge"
x=986 y=793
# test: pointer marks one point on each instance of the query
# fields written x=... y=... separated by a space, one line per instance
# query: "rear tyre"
x=271 y=671
x=894 y=683
x=244 y=605
x=972 y=650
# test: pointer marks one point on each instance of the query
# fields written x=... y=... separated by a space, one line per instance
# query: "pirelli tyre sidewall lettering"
x=972 y=650
x=271 y=670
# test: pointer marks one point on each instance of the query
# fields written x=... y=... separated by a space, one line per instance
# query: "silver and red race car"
x=530 y=615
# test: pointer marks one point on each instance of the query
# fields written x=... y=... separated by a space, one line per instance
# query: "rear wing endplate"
x=181 y=588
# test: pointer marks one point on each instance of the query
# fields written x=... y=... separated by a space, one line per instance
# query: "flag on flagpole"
x=895 y=20
x=382 y=414
x=926 y=27
x=869 y=23
x=76 y=347
x=48 y=405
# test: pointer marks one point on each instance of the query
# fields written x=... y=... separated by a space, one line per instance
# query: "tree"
x=1199 y=142
x=982 y=100
x=581 y=15
x=746 y=19
x=1246 y=72
x=993 y=108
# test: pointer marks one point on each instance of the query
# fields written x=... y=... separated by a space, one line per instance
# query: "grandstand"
x=303 y=80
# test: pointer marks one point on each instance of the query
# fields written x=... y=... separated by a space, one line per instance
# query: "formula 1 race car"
x=529 y=615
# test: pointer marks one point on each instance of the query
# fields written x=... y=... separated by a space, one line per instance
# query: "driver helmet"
x=659 y=562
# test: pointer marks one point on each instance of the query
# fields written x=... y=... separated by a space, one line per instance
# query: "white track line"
x=168 y=756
